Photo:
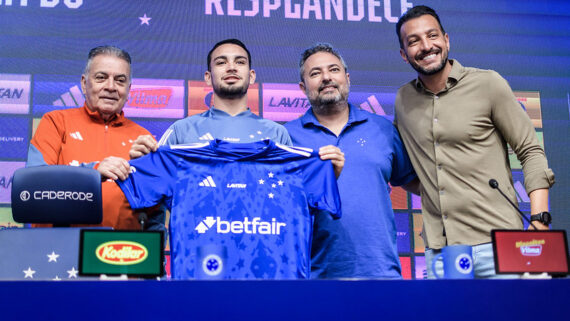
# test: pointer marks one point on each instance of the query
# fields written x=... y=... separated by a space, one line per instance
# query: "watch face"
x=546 y=218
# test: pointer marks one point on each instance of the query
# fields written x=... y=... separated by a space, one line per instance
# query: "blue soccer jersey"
x=238 y=211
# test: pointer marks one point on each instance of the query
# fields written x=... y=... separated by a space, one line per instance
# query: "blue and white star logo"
x=212 y=265
x=464 y=264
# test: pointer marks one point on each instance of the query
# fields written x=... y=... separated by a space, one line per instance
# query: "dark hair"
x=106 y=50
x=319 y=47
x=230 y=41
x=416 y=12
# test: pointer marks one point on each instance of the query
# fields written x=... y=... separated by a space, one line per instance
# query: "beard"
x=323 y=102
x=231 y=91
x=430 y=71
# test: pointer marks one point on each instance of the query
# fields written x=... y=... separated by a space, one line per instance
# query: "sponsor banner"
x=6 y=219
x=522 y=197
x=53 y=92
x=419 y=246
x=14 y=94
x=378 y=100
x=406 y=263
x=148 y=98
x=416 y=202
x=402 y=232
x=283 y=102
x=420 y=263
x=155 y=98
x=530 y=101
x=514 y=161
x=14 y=137
x=399 y=198
x=201 y=97
x=7 y=170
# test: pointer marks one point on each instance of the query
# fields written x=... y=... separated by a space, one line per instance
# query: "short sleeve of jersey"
x=402 y=169
x=321 y=187
x=151 y=179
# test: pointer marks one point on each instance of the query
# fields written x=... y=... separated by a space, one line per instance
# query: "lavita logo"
x=247 y=226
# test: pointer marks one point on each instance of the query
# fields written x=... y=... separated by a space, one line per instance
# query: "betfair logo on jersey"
x=247 y=226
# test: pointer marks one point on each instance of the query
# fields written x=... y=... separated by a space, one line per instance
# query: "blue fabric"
x=246 y=205
x=245 y=127
x=363 y=243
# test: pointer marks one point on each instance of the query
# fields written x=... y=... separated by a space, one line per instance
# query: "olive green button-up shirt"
x=457 y=141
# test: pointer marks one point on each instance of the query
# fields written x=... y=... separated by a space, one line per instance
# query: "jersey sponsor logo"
x=236 y=185
x=121 y=252
x=231 y=139
x=76 y=135
x=247 y=226
x=207 y=182
x=149 y=98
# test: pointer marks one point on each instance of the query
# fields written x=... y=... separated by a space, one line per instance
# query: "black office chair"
x=57 y=194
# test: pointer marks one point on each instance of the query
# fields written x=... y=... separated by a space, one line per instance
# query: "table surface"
x=286 y=300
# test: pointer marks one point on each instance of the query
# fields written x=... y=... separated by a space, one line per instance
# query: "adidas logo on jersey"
x=76 y=135
x=206 y=136
x=207 y=182
x=247 y=226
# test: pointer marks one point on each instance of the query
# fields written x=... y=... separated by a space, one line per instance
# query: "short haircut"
x=319 y=47
x=229 y=41
x=413 y=13
x=106 y=50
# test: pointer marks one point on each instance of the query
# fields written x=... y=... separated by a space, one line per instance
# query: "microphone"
x=142 y=219
x=494 y=184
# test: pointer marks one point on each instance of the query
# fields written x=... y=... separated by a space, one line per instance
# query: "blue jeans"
x=483 y=263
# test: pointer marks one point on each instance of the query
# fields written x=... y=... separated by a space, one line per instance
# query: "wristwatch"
x=543 y=218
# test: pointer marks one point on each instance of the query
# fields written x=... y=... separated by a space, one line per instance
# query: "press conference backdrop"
x=44 y=44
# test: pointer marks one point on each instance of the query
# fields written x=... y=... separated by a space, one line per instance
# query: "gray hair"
x=107 y=50
x=319 y=47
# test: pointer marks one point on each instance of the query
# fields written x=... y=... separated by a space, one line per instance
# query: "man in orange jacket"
x=96 y=135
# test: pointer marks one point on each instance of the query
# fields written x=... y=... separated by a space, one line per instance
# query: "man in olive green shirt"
x=456 y=122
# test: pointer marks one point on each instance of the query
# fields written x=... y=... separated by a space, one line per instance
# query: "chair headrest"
x=57 y=194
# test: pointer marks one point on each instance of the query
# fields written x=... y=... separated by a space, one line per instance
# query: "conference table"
x=286 y=300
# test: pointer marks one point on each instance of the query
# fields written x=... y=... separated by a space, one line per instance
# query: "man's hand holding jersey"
x=335 y=155
x=143 y=145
